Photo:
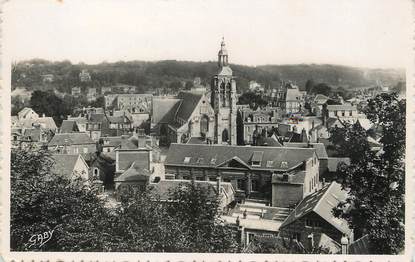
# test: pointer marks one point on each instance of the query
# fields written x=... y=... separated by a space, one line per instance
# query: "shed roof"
x=322 y=203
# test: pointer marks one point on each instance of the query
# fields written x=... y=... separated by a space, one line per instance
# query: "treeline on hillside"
x=174 y=75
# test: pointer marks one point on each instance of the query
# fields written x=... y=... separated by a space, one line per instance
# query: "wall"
x=311 y=180
x=286 y=195
x=81 y=169
x=299 y=227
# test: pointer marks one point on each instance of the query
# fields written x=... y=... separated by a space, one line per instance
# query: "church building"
x=223 y=100
x=189 y=116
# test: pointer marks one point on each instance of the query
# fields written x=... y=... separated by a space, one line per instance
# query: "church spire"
x=223 y=54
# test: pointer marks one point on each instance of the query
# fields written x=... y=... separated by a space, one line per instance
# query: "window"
x=85 y=150
x=187 y=160
x=96 y=172
x=75 y=150
x=269 y=163
x=254 y=185
x=256 y=163
x=186 y=177
x=241 y=184
x=284 y=164
x=285 y=177
x=308 y=223
x=199 y=160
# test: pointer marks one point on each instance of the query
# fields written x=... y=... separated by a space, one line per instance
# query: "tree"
x=309 y=85
x=252 y=99
x=375 y=181
x=195 y=208
x=49 y=104
x=99 y=102
x=189 y=222
x=321 y=88
x=17 y=104
x=42 y=201
x=188 y=85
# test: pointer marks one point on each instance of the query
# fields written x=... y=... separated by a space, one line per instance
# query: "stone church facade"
x=190 y=115
x=223 y=100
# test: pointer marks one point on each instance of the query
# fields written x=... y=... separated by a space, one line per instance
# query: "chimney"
x=218 y=184
x=345 y=245
x=304 y=136
x=141 y=141
x=310 y=242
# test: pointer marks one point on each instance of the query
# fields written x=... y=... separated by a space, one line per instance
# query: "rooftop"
x=322 y=203
x=70 y=139
x=65 y=163
x=253 y=157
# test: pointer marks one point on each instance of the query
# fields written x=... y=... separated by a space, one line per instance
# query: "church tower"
x=223 y=100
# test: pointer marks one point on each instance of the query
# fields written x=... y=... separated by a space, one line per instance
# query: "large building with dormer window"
x=281 y=175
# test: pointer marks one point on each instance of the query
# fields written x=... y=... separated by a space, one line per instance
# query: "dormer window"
x=187 y=160
x=284 y=164
x=269 y=163
x=213 y=161
x=199 y=160
x=256 y=158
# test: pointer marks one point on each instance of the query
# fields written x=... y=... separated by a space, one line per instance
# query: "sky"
x=365 y=33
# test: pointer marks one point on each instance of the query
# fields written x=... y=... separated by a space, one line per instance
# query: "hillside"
x=174 y=75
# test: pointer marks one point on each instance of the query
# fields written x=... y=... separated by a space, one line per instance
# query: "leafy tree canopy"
x=42 y=201
x=375 y=180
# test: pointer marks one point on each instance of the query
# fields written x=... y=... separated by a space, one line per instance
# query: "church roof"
x=164 y=109
x=188 y=104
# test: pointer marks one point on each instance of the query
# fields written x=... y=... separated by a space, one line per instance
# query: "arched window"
x=222 y=94
x=228 y=94
x=96 y=173
x=225 y=135
x=204 y=124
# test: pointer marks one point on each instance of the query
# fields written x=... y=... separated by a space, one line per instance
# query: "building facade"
x=250 y=170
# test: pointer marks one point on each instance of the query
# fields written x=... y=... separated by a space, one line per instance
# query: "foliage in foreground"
x=375 y=180
x=42 y=201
